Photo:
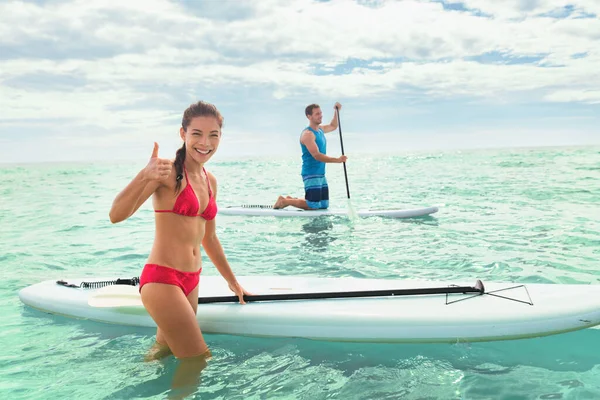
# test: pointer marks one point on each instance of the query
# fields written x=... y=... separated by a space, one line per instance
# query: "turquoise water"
x=524 y=215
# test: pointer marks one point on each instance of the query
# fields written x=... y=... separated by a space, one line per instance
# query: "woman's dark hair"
x=199 y=109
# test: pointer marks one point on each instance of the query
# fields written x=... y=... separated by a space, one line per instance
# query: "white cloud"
x=517 y=9
x=566 y=96
x=161 y=42
x=134 y=61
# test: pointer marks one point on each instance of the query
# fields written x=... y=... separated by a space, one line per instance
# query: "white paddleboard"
x=529 y=310
x=265 y=210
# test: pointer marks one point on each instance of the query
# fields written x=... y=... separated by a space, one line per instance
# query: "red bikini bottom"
x=153 y=273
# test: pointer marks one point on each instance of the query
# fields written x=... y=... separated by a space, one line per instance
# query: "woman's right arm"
x=140 y=188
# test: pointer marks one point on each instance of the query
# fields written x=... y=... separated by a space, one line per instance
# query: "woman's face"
x=201 y=138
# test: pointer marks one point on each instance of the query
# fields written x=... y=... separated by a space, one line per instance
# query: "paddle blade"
x=351 y=211
x=115 y=296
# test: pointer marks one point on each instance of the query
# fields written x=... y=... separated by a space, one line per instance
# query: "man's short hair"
x=309 y=109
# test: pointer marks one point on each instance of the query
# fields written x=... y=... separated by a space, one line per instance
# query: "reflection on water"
x=317 y=234
x=424 y=220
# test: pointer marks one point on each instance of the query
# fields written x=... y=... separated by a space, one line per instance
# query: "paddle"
x=353 y=214
x=342 y=144
x=129 y=295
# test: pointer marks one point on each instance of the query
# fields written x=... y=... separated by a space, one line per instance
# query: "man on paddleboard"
x=314 y=158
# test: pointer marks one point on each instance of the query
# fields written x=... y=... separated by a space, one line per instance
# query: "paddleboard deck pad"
x=501 y=311
x=266 y=210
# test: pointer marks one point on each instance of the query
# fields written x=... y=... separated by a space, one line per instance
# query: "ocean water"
x=522 y=215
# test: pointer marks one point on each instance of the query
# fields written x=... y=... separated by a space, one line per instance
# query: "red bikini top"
x=187 y=203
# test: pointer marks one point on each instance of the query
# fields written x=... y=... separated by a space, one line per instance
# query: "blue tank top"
x=310 y=166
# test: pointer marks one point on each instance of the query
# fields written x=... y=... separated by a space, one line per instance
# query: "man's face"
x=316 y=117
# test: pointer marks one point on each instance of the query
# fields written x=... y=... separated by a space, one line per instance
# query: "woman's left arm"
x=214 y=250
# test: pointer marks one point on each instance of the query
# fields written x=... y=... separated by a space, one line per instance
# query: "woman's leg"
x=189 y=368
x=193 y=299
x=161 y=349
x=158 y=351
x=178 y=327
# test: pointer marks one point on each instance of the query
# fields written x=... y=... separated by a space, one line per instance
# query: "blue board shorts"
x=316 y=191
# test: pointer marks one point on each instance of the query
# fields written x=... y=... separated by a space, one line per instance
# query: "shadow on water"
x=570 y=352
x=424 y=220
x=317 y=234
x=555 y=352
x=318 y=231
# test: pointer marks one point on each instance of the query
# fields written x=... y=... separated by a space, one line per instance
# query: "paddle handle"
x=337 y=112
x=478 y=288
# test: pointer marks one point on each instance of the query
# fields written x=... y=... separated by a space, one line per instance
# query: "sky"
x=88 y=80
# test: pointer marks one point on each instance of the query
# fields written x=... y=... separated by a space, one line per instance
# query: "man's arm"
x=308 y=139
x=333 y=125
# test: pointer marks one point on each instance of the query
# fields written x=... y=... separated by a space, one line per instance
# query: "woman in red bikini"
x=185 y=205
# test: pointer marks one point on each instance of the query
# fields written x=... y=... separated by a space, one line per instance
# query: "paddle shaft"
x=478 y=288
x=337 y=111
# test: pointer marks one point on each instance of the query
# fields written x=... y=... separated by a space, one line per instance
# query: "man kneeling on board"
x=314 y=148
